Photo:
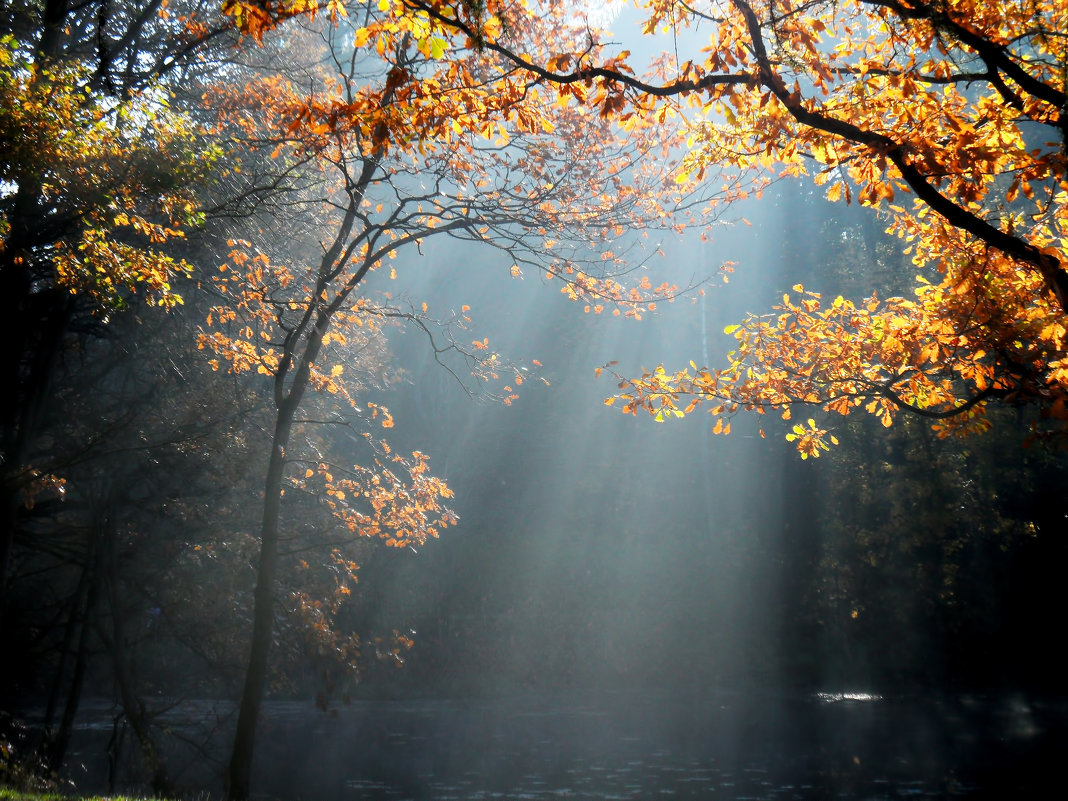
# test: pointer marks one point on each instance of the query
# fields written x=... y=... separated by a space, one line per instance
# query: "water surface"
x=625 y=747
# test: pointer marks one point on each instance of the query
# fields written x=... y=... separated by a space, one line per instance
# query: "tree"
x=408 y=139
x=104 y=159
x=113 y=585
x=98 y=171
x=947 y=117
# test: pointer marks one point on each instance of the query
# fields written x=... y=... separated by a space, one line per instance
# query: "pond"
x=627 y=747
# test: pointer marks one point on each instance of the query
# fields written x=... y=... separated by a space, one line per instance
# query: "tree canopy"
x=947 y=118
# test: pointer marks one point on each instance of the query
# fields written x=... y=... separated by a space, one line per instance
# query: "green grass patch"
x=8 y=794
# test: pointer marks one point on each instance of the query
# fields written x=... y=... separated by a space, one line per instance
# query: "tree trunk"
x=91 y=575
x=35 y=336
x=313 y=326
x=263 y=615
x=116 y=642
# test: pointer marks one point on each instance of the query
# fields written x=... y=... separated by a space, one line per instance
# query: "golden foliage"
x=949 y=117
x=116 y=175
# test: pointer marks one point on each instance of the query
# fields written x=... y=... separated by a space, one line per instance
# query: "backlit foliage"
x=378 y=501
x=947 y=116
x=879 y=356
x=115 y=176
x=587 y=187
x=396 y=501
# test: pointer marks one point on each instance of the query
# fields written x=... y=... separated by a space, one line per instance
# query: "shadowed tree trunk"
x=82 y=615
x=116 y=641
x=240 y=776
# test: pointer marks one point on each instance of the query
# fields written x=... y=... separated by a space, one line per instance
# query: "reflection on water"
x=850 y=696
x=848 y=745
x=833 y=745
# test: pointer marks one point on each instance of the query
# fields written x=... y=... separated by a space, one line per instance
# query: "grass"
x=8 y=794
